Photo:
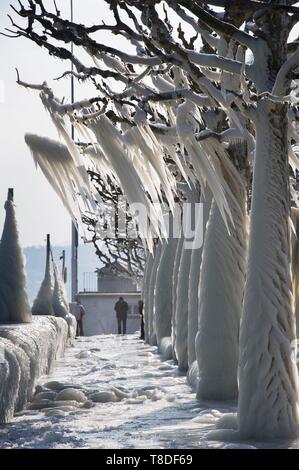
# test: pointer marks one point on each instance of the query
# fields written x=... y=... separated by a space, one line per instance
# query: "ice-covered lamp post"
x=14 y=303
x=43 y=302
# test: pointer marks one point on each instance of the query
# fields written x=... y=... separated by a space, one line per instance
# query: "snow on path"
x=168 y=417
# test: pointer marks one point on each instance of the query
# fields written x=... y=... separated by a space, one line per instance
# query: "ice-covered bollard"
x=43 y=302
x=59 y=300
x=14 y=303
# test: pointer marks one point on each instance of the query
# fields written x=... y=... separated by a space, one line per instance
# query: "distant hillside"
x=35 y=265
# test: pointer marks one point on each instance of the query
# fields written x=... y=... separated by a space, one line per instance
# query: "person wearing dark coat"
x=140 y=309
x=121 y=307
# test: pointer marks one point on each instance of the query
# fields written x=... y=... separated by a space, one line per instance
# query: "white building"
x=112 y=282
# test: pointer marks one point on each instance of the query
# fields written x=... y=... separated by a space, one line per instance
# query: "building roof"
x=113 y=269
x=109 y=294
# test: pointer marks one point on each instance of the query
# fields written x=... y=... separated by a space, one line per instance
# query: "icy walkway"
x=161 y=411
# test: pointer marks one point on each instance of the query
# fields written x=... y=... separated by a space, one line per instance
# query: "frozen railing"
x=90 y=282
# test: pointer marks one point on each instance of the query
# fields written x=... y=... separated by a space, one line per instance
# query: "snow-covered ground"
x=156 y=407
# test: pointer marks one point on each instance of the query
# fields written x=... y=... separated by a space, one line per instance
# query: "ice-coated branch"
x=39 y=87
x=213 y=41
x=55 y=104
x=65 y=54
x=222 y=28
x=216 y=61
x=198 y=99
x=286 y=68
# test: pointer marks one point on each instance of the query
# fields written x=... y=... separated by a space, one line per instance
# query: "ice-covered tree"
x=128 y=252
x=244 y=69
x=194 y=277
x=221 y=290
x=14 y=303
x=164 y=290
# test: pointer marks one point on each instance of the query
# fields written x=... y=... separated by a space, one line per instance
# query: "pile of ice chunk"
x=57 y=399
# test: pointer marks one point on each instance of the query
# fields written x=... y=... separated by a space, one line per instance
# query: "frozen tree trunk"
x=152 y=290
x=268 y=377
x=175 y=275
x=146 y=291
x=181 y=308
x=194 y=276
x=268 y=403
x=43 y=302
x=14 y=304
x=164 y=286
x=295 y=263
x=221 y=289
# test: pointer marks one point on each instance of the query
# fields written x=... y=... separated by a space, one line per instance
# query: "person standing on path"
x=121 y=307
x=79 y=314
x=140 y=310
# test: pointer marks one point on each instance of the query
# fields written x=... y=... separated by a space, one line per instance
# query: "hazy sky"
x=39 y=210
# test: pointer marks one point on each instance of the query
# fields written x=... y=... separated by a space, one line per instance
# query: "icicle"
x=111 y=143
x=65 y=177
x=144 y=149
x=199 y=158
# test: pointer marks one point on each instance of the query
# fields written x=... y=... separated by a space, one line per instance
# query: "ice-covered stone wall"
x=26 y=352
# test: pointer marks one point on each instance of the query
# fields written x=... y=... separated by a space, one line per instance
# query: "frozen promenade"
x=155 y=407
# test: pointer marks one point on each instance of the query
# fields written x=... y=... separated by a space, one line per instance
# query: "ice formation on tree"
x=195 y=267
x=164 y=288
x=268 y=325
x=182 y=289
x=179 y=248
x=65 y=176
x=181 y=310
x=42 y=305
x=295 y=262
x=152 y=294
x=146 y=293
x=14 y=303
x=221 y=289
